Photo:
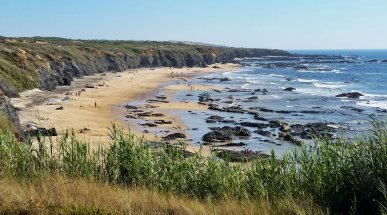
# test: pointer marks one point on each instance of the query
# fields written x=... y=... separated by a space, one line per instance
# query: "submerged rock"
x=351 y=95
x=290 y=89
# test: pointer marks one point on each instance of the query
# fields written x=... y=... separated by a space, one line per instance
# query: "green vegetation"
x=339 y=177
x=5 y=125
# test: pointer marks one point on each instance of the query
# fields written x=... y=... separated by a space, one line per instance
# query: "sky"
x=282 y=24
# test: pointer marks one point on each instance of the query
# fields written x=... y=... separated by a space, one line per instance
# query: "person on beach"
x=95 y=104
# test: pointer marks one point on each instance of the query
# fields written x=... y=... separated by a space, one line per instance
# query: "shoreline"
x=92 y=113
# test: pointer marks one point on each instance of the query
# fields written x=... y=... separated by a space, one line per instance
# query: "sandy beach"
x=92 y=112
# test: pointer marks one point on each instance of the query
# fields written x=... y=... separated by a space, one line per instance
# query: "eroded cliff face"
x=62 y=71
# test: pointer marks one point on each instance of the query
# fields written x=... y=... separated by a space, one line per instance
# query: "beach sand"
x=97 y=108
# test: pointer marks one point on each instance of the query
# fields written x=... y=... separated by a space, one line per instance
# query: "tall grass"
x=342 y=176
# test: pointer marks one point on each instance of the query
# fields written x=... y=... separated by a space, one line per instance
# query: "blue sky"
x=284 y=24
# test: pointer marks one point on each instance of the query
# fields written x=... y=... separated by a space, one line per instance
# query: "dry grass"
x=60 y=195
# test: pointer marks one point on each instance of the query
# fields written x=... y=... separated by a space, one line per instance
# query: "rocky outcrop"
x=225 y=133
x=351 y=95
x=9 y=112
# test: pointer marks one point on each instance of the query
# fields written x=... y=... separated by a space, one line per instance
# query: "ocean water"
x=317 y=81
x=313 y=100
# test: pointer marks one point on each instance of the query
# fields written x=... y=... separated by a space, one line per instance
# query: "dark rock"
x=237 y=130
x=240 y=156
x=297 y=128
x=232 y=109
x=290 y=89
x=205 y=97
x=289 y=138
x=161 y=97
x=149 y=124
x=59 y=108
x=130 y=116
x=214 y=119
x=174 y=136
x=233 y=144
x=227 y=121
x=224 y=79
x=301 y=67
x=215 y=136
x=317 y=130
x=162 y=122
x=275 y=124
x=264 y=133
x=253 y=98
x=131 y=107
x=352 y=108
x=157 y=101
x=238 y=90
x=157 y=115
x=44 y=132
x=254 y=125
x=351 y=95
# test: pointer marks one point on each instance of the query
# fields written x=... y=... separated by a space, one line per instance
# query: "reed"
x=341 y=176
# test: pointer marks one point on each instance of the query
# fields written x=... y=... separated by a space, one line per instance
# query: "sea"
x=315 y=83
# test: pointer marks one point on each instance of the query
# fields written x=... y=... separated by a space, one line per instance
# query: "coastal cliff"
x=44 y=63
x=27 y=63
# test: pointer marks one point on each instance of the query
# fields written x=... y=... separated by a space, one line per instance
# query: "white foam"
x=378 y=104
x=307 y=80
x=245 y=86
x=275 y=75
x=330 y=85
x=374 y=95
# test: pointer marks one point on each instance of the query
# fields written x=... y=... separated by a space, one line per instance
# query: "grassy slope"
x=340 y=177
